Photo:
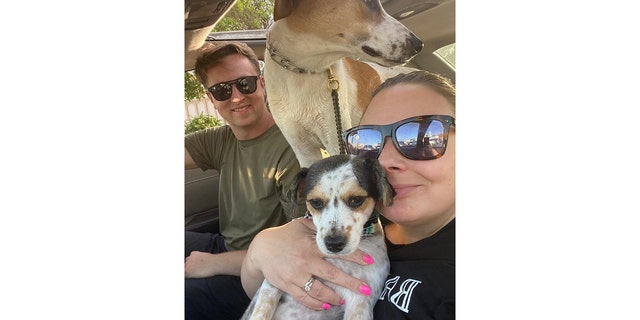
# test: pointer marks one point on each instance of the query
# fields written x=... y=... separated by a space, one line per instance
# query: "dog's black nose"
x=416 y=43
x=335 y=243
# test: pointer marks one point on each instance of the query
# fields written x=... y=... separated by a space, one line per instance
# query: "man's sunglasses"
x=222 y=91
x=416 y=138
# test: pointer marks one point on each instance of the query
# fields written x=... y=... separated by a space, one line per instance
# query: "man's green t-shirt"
x=255 y=176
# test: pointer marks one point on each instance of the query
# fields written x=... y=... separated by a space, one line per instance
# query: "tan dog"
x=306 y=40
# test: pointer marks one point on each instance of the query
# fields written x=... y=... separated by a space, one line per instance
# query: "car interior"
x=433 y=21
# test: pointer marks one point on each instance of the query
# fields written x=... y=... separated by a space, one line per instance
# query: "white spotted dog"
x=357 y=40
x=341 y=194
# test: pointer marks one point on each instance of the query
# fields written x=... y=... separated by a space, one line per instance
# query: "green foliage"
x=246 y=15
x=200 y=122
x=192 y=87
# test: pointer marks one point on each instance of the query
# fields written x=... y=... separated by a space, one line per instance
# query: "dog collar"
x=368 y=226
x=284 y=62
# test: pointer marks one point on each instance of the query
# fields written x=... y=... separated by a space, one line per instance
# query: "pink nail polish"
x=365 y=290
x=367 y=259
x=342 y=302
x=326 y=306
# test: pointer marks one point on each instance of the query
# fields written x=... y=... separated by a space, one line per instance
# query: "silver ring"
x=307 y=286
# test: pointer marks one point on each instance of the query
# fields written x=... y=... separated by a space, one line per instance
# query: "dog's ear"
x=385 y=190
x=297 y=185
x=283 y=8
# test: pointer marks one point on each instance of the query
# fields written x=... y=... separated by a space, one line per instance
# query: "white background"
x=92 y=202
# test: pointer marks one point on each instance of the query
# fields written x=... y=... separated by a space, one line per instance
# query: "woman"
x=414 y=114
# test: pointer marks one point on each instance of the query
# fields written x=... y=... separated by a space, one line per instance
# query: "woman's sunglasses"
x=222 y=91
x=416 y=138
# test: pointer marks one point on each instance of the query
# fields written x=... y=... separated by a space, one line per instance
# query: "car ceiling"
x=433 y=21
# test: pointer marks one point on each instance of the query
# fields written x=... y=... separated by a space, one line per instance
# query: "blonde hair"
x=439 y=83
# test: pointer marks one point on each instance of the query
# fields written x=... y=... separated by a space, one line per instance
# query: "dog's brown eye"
x=316 y=203
x=355 y=202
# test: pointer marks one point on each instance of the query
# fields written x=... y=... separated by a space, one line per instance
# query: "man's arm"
x=203 y=264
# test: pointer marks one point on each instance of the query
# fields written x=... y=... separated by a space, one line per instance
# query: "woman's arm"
x=288 y=256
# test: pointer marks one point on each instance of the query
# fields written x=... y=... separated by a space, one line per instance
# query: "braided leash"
x=333 y=85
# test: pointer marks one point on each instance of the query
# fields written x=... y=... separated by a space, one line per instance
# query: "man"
x=256 y=167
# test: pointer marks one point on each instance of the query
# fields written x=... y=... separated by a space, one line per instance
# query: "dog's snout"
x=335 y=243
x=415 y=43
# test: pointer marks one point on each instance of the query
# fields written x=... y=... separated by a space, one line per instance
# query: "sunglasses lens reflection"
x=417 y=140
x=421 y=140
x=364 y=143
x=222 y=91
x=246 y=85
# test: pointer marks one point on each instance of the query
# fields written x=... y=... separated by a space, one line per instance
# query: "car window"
x=246 y=15
x=448 y=54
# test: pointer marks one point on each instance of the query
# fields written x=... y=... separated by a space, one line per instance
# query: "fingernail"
x=326 y=306
x=367 y=259
x=365 y=290
x=342 y=302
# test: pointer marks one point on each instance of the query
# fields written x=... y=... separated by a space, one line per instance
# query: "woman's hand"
x=287 y=256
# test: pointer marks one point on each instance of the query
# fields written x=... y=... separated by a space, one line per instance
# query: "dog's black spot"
x=341 y=35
